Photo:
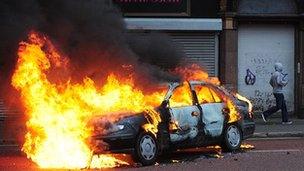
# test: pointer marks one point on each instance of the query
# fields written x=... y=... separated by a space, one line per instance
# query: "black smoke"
x=93 y=34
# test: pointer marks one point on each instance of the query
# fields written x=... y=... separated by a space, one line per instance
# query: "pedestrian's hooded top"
x=278 y=80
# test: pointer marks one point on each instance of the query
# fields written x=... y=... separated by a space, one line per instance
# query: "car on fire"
x=179 y=124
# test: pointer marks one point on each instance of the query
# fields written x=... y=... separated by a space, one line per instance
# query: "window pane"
x=216 y=96
x=181 y=96
x=204 y=94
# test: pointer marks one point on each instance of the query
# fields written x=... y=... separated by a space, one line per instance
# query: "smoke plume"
x=92 y=34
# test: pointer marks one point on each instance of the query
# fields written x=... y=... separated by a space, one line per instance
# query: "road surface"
x=270 y=154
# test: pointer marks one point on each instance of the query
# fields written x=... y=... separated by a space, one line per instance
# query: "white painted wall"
x=259 y=47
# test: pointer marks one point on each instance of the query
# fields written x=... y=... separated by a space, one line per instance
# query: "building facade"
x=193 y=25
x=237 y=40
x=258 y=34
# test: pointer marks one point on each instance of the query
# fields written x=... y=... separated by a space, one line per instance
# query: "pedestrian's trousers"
x=280 y=104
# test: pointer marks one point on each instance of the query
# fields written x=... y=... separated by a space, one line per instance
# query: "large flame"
x=59 y=113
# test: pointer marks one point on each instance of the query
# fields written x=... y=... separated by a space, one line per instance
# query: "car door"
x=184 y=114
x=212 y=107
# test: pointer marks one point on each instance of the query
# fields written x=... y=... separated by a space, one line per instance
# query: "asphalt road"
x=275 y=154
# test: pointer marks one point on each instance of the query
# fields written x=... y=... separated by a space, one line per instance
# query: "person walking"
x=278 y=81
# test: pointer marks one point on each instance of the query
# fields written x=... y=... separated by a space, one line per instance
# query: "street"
x=268 y=154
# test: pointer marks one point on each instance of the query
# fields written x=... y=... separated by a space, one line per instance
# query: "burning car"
x=192 y=114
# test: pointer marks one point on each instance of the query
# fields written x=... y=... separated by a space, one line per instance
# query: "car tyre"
x=232 y=139
x=146 y=149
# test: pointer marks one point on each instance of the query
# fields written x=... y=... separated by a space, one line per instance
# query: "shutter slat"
x=199 y=48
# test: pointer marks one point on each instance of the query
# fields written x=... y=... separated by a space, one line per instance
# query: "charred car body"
x=205 y=121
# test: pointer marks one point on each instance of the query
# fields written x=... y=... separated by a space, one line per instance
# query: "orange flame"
x=153 y=121
x=58 y=114
x=240 y=97
x=195 y=72
x=247 y=146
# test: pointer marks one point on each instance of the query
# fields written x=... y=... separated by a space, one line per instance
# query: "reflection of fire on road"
x=59 y=113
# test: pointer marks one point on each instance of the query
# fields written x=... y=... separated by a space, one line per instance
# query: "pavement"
x=275 y=129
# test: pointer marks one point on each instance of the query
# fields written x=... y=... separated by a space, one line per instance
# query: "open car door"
x=212 y=106
x=184 y=114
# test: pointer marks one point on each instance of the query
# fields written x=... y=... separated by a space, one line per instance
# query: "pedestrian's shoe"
x=263 y=117
x=287 y=123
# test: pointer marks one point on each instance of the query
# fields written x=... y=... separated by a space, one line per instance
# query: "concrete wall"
x=259 y=47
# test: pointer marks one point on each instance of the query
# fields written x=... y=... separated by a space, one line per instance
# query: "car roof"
x=192 y=82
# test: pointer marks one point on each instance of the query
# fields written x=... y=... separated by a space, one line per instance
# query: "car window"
x=206 y=94
x=181 y=96
x=216 y=95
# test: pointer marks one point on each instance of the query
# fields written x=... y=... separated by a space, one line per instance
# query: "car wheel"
x=146 y=149
x=232 y=138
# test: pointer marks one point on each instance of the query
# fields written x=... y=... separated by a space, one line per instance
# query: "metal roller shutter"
x=2 y=109
x=200 y=48
x=10 y=125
